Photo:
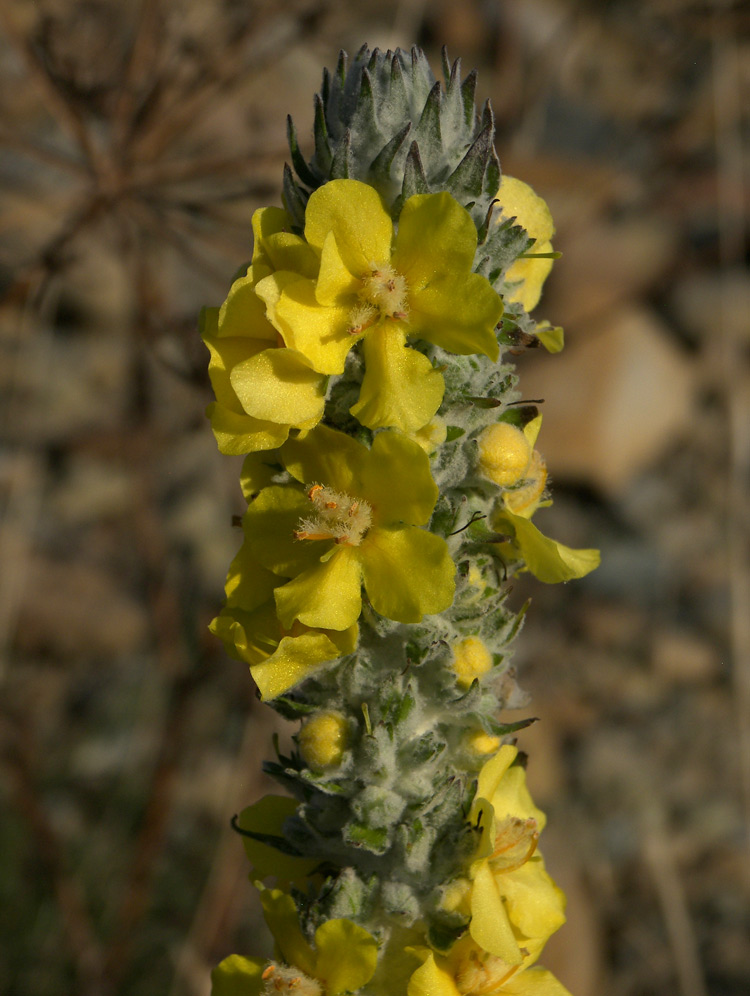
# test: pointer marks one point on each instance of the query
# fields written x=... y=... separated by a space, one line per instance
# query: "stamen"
x=337 y=517
x=383 y=294
x=286 y=979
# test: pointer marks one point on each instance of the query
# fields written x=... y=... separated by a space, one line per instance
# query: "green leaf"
x=442 y=934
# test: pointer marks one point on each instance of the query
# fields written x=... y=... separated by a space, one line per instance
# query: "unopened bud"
x=323 y=739
x=481 y=743
x=504 y=454
x=471 y=659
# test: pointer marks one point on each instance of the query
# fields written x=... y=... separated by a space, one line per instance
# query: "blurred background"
x=137 y=139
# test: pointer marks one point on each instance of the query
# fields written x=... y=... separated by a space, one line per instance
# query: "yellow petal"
x=534 y=982
x=346 y=956
x=243 y=313
x=490 y=926
x=238 y=976
x=531 y=430
x=354 y=212
x=530 y=275
x=431 y=980
x=400 y=388
x=548 y=560
x=267 y=816
x=258 y=471
x=281 y=916
x=407 y=572
x=519 y=201
x=534 y=903
x=511 y=798
x=552 y=338
x=237 y=434
x=327 y=595
x=493 y=772
x=277 y=385
x=335 y=284
x=248 y=585
x=395 y=457
x=320 y=332
x=267 y=221
x=296 y=658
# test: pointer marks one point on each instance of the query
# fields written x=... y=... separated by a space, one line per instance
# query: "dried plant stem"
x=83 y=942
x=225 y=884
x=64 y=112
x=659 y=856
x=731 y=224
x=142 y=51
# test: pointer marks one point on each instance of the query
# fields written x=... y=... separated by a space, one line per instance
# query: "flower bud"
x=504 y=454
x=323 y=739
x=480 y=743
x=471 y=659
x=524 y=499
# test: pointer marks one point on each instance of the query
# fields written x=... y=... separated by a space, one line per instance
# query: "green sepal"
x=444 y=930
x=372 y=839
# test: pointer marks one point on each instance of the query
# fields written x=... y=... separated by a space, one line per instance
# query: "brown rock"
x=681 y=656
x=614 y=400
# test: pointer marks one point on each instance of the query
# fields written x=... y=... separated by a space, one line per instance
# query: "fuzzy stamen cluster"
x=337 y=517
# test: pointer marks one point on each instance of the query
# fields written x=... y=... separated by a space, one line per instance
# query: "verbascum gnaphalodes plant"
x=391 y=478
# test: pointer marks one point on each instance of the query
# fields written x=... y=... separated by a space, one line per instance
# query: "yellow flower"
x=279 y=657
x=513 y=903
x=342 y=960
x=526 y=276
x=545 y=558
x=469 y=971
x=382 y=288
x=262 y=389
x=355 y=523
